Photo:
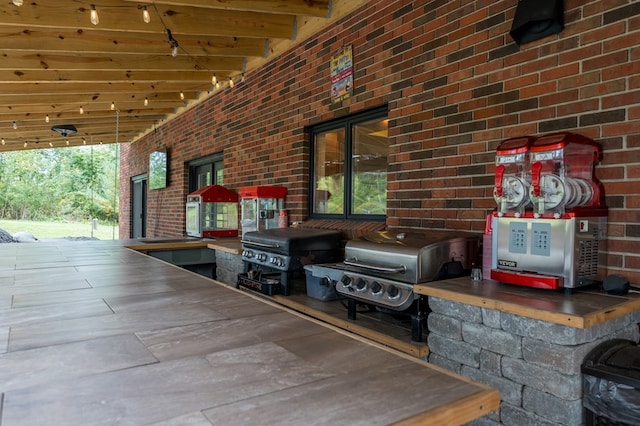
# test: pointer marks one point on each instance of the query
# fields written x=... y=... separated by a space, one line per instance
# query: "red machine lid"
x=263 y=192
x=560 y=140
x=517 y=145
x=215 y=194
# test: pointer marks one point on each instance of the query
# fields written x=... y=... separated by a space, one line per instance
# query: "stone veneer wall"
x=534 y=364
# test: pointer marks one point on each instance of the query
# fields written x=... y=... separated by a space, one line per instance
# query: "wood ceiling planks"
x=54 y=61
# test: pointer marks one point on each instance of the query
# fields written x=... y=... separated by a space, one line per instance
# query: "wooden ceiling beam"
x=317 y=8
x=118 y=15
x=133 y=76
x=18 y=61
x=101 y=90
x=43 y=40
x=61 y=102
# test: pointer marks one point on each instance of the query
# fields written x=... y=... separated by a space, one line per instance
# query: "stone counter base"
x=534 y=364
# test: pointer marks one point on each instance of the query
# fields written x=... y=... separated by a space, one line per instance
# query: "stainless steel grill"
x=381 y=268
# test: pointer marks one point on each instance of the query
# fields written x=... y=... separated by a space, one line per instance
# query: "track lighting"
x=81 y=110
x=145 y=15
x=113 y=106
x=46 y=119
x=146 y=102
x=173 y=43
x=94 y=15
x=15 y=125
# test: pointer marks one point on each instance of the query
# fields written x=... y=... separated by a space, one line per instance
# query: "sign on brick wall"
x=342 y=74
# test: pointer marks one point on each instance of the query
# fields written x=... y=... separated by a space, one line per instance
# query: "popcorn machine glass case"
x=212 y=211
x=260 y=206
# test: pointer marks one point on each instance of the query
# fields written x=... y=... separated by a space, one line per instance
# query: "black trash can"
x=611 y=383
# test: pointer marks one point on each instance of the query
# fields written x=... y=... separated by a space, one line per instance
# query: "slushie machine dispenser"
x=260 y=207
x=549 y=228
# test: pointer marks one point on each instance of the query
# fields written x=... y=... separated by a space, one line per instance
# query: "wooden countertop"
x=137 y=340
x=228 y=245
x=580 y=309
x=151 y=244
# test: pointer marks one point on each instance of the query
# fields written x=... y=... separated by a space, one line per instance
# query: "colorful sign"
x=342 y=74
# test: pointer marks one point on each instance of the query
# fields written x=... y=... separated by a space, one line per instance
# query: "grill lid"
x=292 y=240
x=412 y=256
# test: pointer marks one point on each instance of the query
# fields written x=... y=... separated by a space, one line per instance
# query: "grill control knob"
x=361 y=284
x=393 y=291
x=262 y=257
x=376 y=288
x=346 y=281
x=247 y=253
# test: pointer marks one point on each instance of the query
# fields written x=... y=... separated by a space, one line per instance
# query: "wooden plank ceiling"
x=60 y=69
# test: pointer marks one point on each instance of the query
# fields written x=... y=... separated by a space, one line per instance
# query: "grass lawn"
x=60 y=229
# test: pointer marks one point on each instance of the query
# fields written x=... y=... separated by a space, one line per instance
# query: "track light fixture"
x=15 y=125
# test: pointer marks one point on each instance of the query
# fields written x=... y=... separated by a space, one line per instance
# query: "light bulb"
x=217 y=84
x=94 y=15
x=84 y=141
x=15 y=126
x=51 y=144
x=17 y=2
x=25 y=145
x=231 y=84
x=46 y=119
x=145 y=15
x=174 y=51
x=67 y=142
x=3 y=142
x=182 y=96
x=146 y=101
x=81 y=110
x=113 y=106
x=214 y=80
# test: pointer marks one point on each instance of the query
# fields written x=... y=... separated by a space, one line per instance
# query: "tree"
x=77 y=183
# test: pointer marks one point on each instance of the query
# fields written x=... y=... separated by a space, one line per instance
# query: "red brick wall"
x=456 y=85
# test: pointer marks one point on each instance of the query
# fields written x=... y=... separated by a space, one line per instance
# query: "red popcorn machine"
x=212 y=211
x=552 y=238
x=260 y=207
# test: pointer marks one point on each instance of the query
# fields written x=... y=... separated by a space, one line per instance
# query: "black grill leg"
x=351 y=309
x=417 y=320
